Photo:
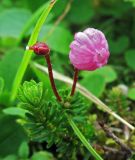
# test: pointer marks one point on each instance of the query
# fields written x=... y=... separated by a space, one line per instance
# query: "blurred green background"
x=114 y=83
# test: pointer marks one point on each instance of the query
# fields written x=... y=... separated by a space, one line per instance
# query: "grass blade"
x=31 y=22
x=83 y=140
x=28 y=54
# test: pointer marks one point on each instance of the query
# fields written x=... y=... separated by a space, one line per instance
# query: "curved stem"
x=74 y=81
x=47 y=57
x=83 y=140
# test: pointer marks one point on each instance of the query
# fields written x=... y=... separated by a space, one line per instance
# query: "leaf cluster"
x=47 y=121
x=117 y=99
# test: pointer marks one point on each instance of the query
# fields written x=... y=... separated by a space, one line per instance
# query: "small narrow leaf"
x=23 y=150
x=14 y=111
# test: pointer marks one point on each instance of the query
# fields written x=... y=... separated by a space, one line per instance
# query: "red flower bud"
x=39 y=48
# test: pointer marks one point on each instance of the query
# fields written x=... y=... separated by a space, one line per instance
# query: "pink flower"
x=89 y=50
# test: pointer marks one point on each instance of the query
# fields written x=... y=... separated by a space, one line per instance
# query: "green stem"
x=83 y=140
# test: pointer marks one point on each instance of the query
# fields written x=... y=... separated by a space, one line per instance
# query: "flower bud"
x=89 y=50
x=39 y=48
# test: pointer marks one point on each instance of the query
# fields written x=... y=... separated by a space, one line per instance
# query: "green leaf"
x=131 y=93
x=107 y=72
x=11 y=136
x=130 y=58
x=1 y=84
x=81 y=12
x=10 y=157
x=15 y=111
x=42 y=155
x=9 y=66
x=60 y=40
x=94 y=83
x=119 y=46
x=24 y=150
x=12 y=22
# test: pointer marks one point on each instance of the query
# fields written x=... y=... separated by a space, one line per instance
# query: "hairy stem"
x=74 y=81
x=47 y=57
x=83 y=140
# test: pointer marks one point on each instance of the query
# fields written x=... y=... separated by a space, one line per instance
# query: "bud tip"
x=27 y=47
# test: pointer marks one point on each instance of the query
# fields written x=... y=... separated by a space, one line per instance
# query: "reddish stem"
x=74 y=81
x=47 y=57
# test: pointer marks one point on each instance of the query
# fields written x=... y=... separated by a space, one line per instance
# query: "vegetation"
x=98 y=121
